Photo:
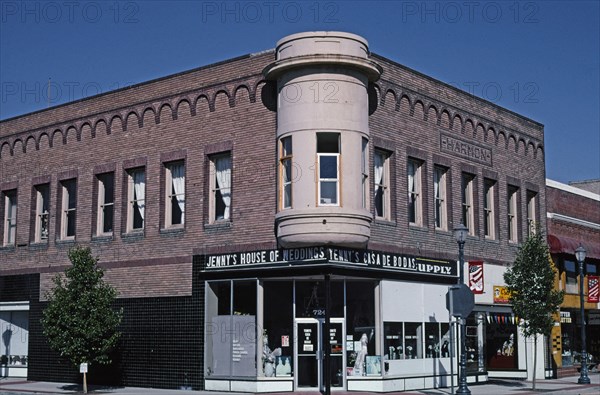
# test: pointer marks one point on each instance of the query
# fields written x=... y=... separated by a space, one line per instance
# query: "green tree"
x=530 y=281
x=79 y=321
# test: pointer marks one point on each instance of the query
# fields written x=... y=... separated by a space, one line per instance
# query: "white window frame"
x=171 y=194
x=214 y=187
x=66 y=210
x=10 y=217
x=531 y=212
x=338 y=180
x=42 y=214
x=439 y=199
x=513 y=228
x=413 y=169
x=383 y=157
x=468 y=214
x=133 y=199
x=489 y=209
x=364 y=166
x=104 y=206
x=286 y=162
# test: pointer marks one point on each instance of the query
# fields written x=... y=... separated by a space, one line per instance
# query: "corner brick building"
x=574 y=220
x=227 y=202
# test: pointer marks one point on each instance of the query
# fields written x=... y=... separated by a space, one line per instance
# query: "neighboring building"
x=226 y=201
x=573 y=220
x=589 y=185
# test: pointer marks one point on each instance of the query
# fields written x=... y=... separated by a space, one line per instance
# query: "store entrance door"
x=310 y=350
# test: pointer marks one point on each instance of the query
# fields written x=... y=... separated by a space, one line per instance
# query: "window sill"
x=8 y=247
x=493 y=241
x=418 y=228
x=102 y=238
x=133 y=236
x=441 y=231
x=174 y=231
x=218 y=225
x=385 y=222
x=64 y=242
x=38 y=245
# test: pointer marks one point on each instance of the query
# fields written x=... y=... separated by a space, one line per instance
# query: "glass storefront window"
x=432 y=340
x=231 y=329
x=571 y=277
x=393 y=336
x=360 y=329
x=501 y=343
x=278 y=331
x=413 y=340
x=14 y=327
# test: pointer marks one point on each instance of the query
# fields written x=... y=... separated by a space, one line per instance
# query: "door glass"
x=308 y=347
x=337 y=354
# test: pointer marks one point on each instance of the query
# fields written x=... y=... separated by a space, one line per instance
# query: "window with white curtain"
x=220 y=186
x=10 y=217
x=439 y=191
x=42 y=213
x=489 y=209
x=513 y=193
x=68 y=209
x=381 y=172
x=106 y=203
x=468 y=214
x=328 y=157
x=136 y=198
x=364 y=167
x=531 y=212
x=174 y=194
x=285 y=172
x=414 y=192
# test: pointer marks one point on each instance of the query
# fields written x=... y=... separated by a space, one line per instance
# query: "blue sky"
x=540 y=59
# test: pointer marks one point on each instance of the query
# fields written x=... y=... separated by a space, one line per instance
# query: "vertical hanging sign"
x=476 y=276
x=593 y=294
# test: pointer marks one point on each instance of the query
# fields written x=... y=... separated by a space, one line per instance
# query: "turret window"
x=328 y=158
x=285 y=172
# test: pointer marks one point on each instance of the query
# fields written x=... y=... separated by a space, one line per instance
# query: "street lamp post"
x=460 y=233
x=583 y=377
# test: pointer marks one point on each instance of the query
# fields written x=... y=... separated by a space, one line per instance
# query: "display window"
x=501 y=343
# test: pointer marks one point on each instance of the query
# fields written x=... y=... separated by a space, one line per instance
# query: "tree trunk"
x=534 y=359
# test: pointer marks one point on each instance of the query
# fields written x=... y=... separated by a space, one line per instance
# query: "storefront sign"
x=593 y=294
x=565 y=317
x=476 y=276
x=465 y=149
x=367 y=259
x=501 y=294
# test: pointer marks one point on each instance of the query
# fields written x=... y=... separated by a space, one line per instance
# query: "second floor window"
x=174 y=194
x=414 y=192
x=381 y=171
x=10 y=217
x=136 y=199
x=439 y=190
x=468 y=215
x=42 y=213
x=328 y=157
x=489 y=209
x=68 y=209
x=285 y=169
x=364 y=168
x=106 y=203
x=531 y=212
x=220 y=186
x=512 y=213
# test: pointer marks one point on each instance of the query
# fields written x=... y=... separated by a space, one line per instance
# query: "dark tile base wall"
x=160 y=347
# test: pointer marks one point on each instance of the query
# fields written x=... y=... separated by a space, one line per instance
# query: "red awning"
x=568 y=245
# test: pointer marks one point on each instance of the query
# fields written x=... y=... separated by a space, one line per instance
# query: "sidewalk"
x=565 y=385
